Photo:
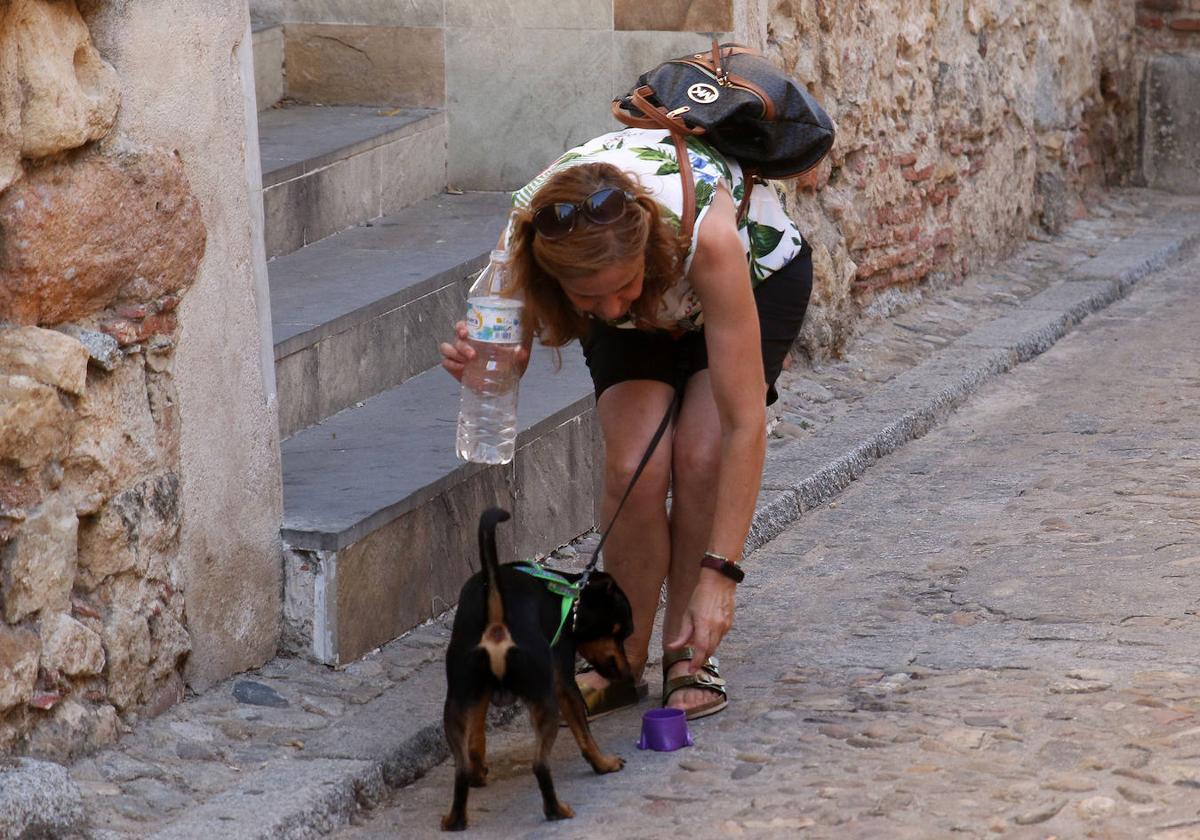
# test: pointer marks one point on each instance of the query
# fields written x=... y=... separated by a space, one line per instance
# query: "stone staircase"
x=370 y=263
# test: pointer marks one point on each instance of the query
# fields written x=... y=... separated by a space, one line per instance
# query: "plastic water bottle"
x=487 y=415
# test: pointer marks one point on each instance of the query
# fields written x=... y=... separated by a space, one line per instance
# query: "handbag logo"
x=703 y=93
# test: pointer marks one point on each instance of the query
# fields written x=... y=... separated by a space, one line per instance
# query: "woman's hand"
x=456 y=355
x=708 y=618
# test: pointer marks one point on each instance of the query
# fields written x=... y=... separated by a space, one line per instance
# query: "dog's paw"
x=454 y=822
x=608 y=764
x=562 y=812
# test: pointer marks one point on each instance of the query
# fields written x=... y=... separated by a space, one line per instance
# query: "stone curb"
x=396 y=738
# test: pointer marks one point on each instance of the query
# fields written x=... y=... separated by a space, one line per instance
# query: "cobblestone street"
x=993 y=633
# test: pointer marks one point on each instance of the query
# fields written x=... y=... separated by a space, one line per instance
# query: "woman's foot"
x=604 y=697
x=699 y=694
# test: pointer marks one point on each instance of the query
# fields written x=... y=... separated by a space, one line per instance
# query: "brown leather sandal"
x=622 y=694
x=707 y=678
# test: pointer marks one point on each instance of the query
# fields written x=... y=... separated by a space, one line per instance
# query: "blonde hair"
x=538 y=265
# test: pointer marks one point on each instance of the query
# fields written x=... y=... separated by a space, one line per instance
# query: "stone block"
x=321 y=203
x=489 y=110
x=329 y=793
x=1170 y=123
x=411 y=569
x=336 y=64
x=1128 y=261
x=66 y=255
x=1076 y=300
x=38 y=566
x=554 y=476
x=414 y=167
x=19 y=651
x=529 y=14
x=50 y=357
x=38 y=799
x=268 y=66
x=56 y=91
x=673 y=15
x=69 y=647
x=365 y=12
x=73 y=728
x=365 y=359
x=115 y=439
x=34 y=423
x=1029 y=332
x=128 y=651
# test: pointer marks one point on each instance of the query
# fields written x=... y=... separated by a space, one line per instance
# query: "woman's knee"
x=619 y=470
x=695 y=466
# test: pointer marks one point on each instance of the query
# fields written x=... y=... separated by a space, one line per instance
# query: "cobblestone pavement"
x=869 y=595
x=993 y=633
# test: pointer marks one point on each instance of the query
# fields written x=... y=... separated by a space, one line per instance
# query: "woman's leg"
x=696 y=461
x=637 y=551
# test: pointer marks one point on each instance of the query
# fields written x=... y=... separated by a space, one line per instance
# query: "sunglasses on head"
x=603 y=207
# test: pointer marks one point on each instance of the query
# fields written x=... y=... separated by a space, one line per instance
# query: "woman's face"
x=610 y=292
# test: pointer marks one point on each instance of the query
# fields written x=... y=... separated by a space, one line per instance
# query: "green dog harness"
x=558 y=585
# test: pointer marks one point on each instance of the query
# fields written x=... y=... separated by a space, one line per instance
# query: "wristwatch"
x=731 y=570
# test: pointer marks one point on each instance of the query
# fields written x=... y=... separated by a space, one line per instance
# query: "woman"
x=597 y=256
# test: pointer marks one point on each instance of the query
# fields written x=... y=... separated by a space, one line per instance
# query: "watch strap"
x=721 y=564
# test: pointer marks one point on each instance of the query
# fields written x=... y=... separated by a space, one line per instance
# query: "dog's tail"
x=496 y=639
x=491 y=562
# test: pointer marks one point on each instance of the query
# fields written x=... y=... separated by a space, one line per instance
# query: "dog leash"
x=558 y=585
x=676 y=402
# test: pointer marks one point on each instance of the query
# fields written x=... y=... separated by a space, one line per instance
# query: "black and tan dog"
x=501 y=648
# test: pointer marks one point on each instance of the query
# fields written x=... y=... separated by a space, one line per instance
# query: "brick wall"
x=1168 y=25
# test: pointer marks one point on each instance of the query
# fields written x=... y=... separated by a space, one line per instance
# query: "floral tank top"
x=770 y=238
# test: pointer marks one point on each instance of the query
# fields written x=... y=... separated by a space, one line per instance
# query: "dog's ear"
x=602 y=584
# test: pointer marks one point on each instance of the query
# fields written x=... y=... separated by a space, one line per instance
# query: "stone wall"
x=139 y=501
x=962 y=128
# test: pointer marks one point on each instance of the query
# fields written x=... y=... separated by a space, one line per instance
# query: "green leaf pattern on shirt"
x=767 y=247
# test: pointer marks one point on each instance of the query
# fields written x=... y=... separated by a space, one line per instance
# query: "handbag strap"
x=675 y=126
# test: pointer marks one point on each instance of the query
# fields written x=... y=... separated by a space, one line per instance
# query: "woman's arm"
x=720 y=275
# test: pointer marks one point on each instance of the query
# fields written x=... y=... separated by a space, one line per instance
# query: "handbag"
x=741 y=104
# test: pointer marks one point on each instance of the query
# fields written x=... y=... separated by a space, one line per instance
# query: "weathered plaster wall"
x=139 y=497
x=192 y=99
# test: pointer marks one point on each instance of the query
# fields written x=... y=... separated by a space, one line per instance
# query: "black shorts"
x=618 y=355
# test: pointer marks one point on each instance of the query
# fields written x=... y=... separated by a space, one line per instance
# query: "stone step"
x=328 y=168
x=362 y=311
x=268 y=63
x=380 y=516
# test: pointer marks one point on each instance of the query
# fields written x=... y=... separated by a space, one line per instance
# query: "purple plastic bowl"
x=664 y=730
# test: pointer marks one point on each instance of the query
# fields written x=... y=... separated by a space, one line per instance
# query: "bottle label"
x=494 y=320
